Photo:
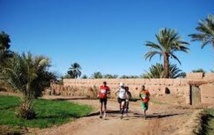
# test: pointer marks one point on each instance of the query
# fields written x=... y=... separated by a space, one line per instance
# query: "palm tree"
x=84 y=77
x=200 y=70
x=109 y=76
x=97 y=75
x=28 y=75
x=4 y=47
x=168 y=43
x=74 y=70
x=206 y=31
x=128 y=76
x=157 y=71
x=4 y=41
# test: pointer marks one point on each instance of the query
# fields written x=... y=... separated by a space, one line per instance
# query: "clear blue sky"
x=108 y=36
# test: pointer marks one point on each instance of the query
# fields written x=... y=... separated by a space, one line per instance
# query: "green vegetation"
x=205 y=30
x=28 y=75
x=4 y=48
x=48 y=113
x=208 y=126
x=97 y=75
x=199 y=71
x=206 y=122
x=168 y=43
x=157 y=71
x=74 y=71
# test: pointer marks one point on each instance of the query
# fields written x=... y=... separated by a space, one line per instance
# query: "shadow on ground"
x=136 y=115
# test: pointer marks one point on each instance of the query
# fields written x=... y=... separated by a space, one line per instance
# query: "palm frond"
x=206 y=31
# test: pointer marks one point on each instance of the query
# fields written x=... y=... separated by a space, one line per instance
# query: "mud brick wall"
x=207 y=90
x=155 y=86
x=207 y=93
x=179 y=86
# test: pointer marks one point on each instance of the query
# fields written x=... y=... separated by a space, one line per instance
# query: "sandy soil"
x=163 y=119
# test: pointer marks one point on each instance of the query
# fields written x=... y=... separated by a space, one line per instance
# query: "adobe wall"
x=179 y=86
x=207 y=90
x=205 y=82
x=155 y=86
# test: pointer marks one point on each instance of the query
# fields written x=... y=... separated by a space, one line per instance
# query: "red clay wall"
x=180 y=86
x=207 y=90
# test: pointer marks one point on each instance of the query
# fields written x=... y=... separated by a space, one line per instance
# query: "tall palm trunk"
x=166 y=65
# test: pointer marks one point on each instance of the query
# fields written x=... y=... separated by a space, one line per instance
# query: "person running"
x=103 y=91
x=129 y=96
x=122 y=95
x=145 y=97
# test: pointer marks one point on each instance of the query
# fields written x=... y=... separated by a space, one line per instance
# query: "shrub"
x=26 y=111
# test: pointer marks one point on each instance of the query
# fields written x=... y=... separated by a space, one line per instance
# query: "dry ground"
x=163 y=119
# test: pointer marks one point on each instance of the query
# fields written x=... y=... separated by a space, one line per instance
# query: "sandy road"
x=162 y=119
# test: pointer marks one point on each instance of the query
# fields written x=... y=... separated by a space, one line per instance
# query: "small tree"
x=28 y=75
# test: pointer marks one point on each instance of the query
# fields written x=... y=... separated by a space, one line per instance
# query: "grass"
x=210 y=127
x=207 y=122
x=48 y=112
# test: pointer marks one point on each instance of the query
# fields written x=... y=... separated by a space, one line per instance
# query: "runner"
x=122 y=96
x=104 y=90
x=144 y=95
x=129 y=95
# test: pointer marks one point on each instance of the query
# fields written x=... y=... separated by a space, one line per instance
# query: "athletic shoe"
x=104 y=115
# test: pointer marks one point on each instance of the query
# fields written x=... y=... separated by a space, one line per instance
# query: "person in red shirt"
x=144 y=96
x=103 y=92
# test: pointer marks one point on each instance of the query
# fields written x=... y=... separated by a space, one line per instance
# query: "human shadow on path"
x=108 y=112
x=156 y=115
x=136 y=115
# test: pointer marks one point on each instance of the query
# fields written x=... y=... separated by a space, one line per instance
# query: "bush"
x=25 y=111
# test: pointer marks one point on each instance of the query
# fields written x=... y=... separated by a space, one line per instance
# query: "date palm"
x=169 y=42
x=206 y=31
x=4 y=47
x=4 y=41
x=157 y=71
x=109 y=76
x=200 y=70
x=97 y=75
x=27 y=74
x=74 y=70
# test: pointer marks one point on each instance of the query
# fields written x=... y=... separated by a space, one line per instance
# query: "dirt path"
x=162 y=119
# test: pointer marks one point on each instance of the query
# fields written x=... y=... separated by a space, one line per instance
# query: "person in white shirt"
x=122 y=96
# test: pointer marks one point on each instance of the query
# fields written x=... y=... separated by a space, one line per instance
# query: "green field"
x=48 y=113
